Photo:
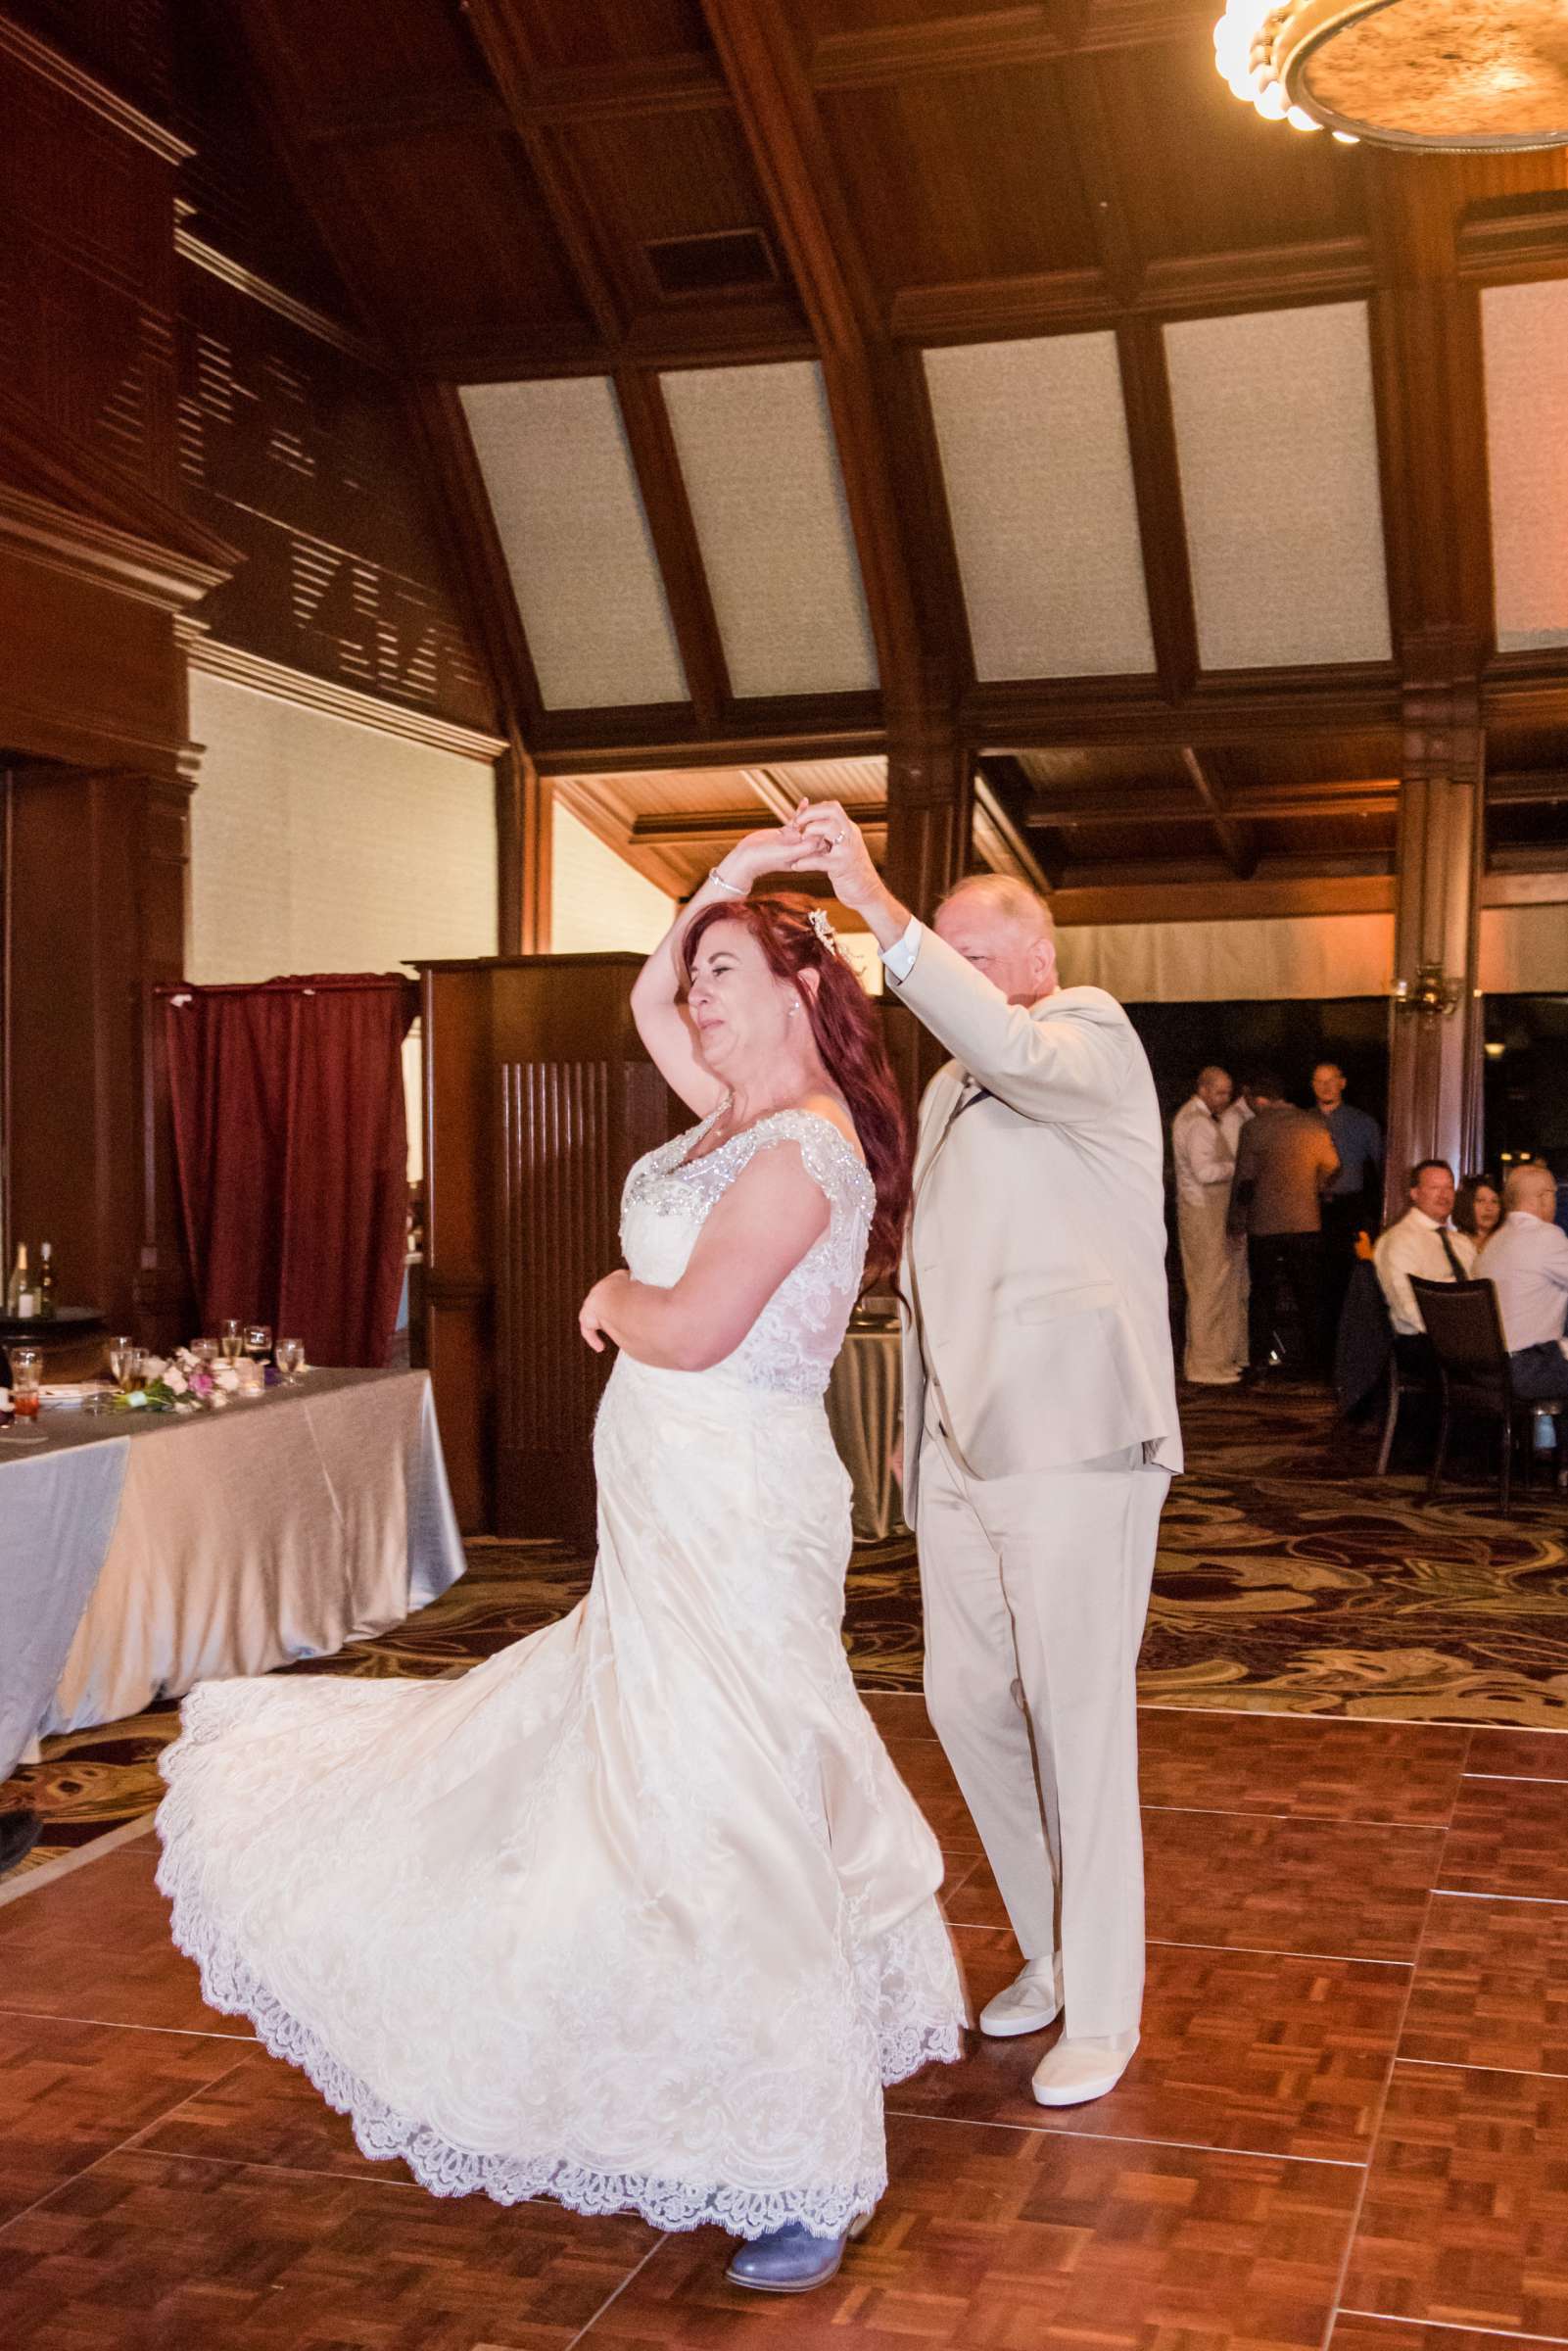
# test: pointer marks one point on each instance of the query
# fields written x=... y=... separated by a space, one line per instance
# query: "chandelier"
x=1435 y=73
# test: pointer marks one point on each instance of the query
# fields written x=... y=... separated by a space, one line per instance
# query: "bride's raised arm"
x=657 y=1007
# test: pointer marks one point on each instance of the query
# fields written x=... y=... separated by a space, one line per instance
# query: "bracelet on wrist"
x=722 y=882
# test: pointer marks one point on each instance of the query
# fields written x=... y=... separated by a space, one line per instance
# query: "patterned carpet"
x=1290 y=1580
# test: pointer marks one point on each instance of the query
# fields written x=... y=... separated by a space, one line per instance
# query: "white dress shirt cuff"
x=899 y=959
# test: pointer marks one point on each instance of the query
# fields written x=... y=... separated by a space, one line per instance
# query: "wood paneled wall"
x=539 y=1097
x=186 y=448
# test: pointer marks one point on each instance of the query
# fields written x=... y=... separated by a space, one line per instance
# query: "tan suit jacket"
x=1035 y=1277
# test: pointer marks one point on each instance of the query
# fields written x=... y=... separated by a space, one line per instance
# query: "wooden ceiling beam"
x=675 y=827
x=1279 y=803
x=675 y=541
x=1535 y=788
x=494 y=29
x=776 y=796
x=795 y=162
x=1002 y=792
x=1235 y=837
x=467 y=525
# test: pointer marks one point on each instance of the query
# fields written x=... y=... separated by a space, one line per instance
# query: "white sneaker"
x=1030 y=2002
x=1075 y=2070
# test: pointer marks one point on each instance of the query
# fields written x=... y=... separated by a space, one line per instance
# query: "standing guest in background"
x=1352 y=1203
x=1422 y=1243
x=1527 y=1263
x=1478 y=1210
x=1285 y=1161
x=1213 y=1263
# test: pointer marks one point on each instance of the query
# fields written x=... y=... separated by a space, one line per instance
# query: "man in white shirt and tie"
x=1040 y=1430
x=1213 y=1263
x=1422 y=1243
x=1527 y=1260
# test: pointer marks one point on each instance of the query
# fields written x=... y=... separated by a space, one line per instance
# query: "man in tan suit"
x=1040 y=1430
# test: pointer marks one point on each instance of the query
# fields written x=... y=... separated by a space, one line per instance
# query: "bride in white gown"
x=638 y=1914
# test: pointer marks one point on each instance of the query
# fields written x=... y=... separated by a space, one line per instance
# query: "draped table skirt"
x=863 y=1406
x=283 y=1527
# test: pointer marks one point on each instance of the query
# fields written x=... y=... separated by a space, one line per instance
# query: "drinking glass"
x=259 y=1341
x=291 y=1359
x=25 y=1363
x=122 y=1359
x=233 y=1335
x=206 y=1352
x=24 y=1366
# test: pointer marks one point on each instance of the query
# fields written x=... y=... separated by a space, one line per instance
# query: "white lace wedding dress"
x=637 y=1913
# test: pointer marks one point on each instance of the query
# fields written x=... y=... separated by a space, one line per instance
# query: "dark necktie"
x=981 y=1093
x=1452 y=1256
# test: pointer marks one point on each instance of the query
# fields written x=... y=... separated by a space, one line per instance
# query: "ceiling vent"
x=730 y=260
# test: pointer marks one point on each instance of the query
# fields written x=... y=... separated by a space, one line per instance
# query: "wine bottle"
x=46 y=1281
x=22 y=1299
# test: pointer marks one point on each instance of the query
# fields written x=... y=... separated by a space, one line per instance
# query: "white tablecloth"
x=54 y=1532
x=863 y=1400
x=283 y=1527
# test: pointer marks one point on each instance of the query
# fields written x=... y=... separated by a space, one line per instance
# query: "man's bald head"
x=1215 y=1090
x=1533 y=1188
x=1005 y=930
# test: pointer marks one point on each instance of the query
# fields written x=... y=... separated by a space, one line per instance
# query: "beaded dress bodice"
x=792 y=1346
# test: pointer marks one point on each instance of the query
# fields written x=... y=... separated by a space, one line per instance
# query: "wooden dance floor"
x=1347 y=2126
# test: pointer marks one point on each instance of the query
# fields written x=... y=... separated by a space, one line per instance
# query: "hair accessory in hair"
x=824 y=930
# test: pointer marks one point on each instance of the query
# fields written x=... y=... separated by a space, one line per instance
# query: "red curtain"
x=291 y=1146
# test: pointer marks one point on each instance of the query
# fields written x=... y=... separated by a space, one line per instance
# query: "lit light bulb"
x=1271 y=103
x=1346 y=138
x=1300 y=119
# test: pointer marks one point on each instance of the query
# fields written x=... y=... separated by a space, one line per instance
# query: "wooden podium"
x=538 y=1098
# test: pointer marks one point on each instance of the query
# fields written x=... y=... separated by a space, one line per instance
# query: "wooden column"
x=931 y=811
x=97 y=888
x=525 y=853
x=930 y=814
x=1435 y=1059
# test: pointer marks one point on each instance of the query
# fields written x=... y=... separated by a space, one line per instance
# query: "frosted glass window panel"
x=321 y=846
x=600 y=905
x=569 y=513
x=1033 y=440
x=761 y=470
x=1525 y=339
x=1277 y=440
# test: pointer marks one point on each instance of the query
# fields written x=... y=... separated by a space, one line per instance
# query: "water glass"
x=259 y=1341
x=232 y=1336
x=206 y=1352
x=26 y=1366
x=123 y=1357
x=290 y=1359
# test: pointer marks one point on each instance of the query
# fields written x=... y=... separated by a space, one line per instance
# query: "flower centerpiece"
x=182 y=1383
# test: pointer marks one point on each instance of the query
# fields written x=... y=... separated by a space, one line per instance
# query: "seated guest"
x=1285 y=1161
x=1422 y=1243
x=1478 y=1210
x=1528 y=1265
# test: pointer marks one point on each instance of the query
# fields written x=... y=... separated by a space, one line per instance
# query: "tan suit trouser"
x=1036 y=1592
x=1214 y=1269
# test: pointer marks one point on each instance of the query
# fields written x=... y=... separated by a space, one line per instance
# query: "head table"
x=143 y=1552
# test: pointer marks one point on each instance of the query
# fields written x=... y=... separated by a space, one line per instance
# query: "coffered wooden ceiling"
x=806 y=379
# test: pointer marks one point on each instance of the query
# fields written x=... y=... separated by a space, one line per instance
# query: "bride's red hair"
x=848 y=1037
